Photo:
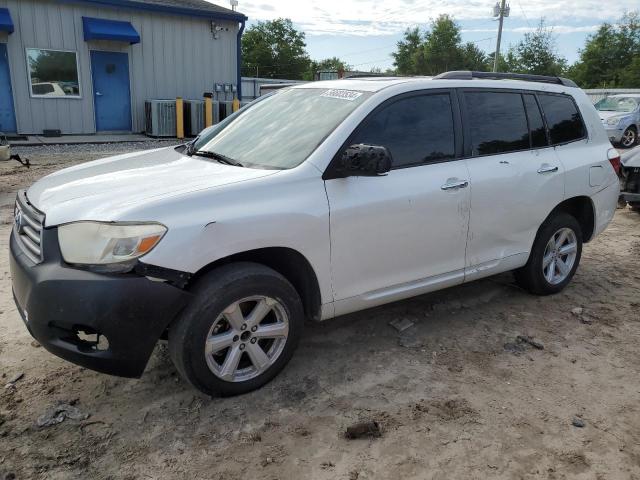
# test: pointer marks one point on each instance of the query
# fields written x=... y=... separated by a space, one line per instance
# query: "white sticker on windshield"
x=349 y=95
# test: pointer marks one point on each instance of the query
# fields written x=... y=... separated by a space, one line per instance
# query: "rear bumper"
x=605 y=203
x=57 y=302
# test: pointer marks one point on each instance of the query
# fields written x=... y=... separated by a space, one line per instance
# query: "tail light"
x=614 y=159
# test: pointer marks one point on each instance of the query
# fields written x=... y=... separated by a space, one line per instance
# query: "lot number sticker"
x=348 y=95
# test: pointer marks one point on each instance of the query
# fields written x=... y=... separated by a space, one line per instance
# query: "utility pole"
x=500 y=10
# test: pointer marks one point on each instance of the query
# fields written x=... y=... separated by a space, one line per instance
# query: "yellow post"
x=179 y=118
x=208 y=109
x=235 y=106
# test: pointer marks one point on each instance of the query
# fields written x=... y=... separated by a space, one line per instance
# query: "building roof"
x=197 y=8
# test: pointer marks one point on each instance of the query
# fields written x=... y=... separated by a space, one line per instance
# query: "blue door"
x=112 y=97
x=7 y=114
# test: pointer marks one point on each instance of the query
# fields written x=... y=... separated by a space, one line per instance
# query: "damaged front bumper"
x=106 y=322
x=630 y=184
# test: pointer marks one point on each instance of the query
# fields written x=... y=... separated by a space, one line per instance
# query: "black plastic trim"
x=56 y=301
x=470 y=75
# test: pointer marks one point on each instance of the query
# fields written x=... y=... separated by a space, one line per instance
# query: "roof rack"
x=469 y=75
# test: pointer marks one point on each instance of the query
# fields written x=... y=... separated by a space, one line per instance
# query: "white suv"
x=317 y=201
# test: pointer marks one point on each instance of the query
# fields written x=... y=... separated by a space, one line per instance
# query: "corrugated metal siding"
x=177 y=56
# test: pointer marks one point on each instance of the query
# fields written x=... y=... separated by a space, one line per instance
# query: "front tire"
x=239 y=331
x=554 y=258
x=629 y=137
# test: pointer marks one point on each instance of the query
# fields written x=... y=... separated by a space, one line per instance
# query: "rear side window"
x=416 y=130
x=563 y=119
x=536 y=124
x=497 y=122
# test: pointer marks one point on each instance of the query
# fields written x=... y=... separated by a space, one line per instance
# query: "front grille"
x=28 y=223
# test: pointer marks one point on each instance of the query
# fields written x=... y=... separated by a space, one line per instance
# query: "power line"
x=524 y=14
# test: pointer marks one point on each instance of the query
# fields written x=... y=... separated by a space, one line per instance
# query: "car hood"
x=105 y=189
x=631 y=158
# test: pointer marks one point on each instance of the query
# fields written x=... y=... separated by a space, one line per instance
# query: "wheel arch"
x=582 y=209
x=289 y=263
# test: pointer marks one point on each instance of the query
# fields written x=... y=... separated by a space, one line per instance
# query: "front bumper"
x=630 y=184
x=614 y=134
x=61 y=305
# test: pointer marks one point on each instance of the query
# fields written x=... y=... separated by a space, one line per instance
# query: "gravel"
x=93 y=148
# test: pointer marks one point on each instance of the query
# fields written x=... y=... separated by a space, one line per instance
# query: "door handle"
x=98 y=94
x=546 y=168
x=455 y=185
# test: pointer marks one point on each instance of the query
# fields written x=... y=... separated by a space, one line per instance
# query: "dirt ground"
x=452 y=401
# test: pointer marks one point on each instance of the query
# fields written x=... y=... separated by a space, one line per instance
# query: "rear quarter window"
x=563 y=118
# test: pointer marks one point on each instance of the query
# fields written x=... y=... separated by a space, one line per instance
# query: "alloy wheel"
x=559 y=256
x=246 y=338
x=629 y=138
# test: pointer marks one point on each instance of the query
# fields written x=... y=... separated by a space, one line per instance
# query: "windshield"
x=617 y=104
x=280 y=131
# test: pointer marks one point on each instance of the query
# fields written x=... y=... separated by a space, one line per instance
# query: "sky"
x=364 y=32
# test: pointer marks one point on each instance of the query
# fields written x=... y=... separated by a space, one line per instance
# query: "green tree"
x=437 y=50
x=274 y=49
x=408 y=48
x=536 y=54
x=474 y=58
x=442 y=50
x=610 y=56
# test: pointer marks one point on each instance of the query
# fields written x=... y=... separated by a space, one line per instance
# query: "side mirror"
x=362 y=160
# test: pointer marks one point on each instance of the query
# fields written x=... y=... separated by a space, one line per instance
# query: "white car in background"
x=620 y=115
x=322 y=199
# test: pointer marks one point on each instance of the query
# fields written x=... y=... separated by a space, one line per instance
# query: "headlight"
x=97 y=243
x=613 y=120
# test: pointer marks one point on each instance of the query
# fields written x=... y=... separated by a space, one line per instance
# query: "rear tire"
x=554 y=258
x=239 y=331
x=635 y=206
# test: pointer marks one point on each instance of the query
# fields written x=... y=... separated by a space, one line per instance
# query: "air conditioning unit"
x=160 y=118
x=193 y=117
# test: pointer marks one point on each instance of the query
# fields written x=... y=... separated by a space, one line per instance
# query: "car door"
x=515 y=175
x=403 y=233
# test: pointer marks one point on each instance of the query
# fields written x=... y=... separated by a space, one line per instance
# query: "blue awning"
x=6 y=25
x=101 y=29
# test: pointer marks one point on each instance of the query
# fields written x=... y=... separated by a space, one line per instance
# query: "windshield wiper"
x=218 y=157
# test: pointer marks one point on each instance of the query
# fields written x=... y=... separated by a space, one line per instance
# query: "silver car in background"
x=620 y=115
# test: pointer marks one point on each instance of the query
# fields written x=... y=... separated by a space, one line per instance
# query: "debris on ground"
x=401 y=324
x=515 y=348
x=35 y=344
x=577 y=422
x=58 y=413
x=327 y=465
x=410 y=341
x=586 y=320
x=530 y=341
x=369 y=428
x=16 y=378
x=577 y=311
